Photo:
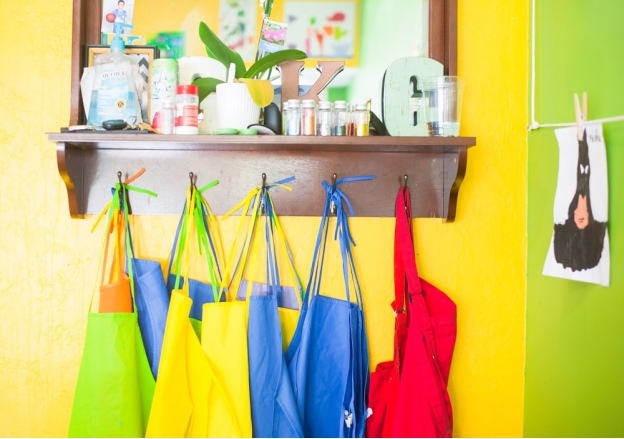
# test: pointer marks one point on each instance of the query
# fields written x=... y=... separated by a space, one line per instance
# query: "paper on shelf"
x=86 y=88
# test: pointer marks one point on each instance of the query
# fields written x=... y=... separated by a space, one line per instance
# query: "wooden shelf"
x=88 y=163
x=98 y=140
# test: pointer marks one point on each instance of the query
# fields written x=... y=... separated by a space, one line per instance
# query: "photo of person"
x=120 y=14
x=117 y=11
x=579 y=249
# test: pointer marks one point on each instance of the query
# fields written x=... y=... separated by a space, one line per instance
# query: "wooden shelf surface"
x=98 y=140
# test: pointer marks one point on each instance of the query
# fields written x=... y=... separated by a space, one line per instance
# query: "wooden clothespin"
x=581 y=115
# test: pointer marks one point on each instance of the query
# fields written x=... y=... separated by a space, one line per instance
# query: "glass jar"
x=341 y=118
x=284 y=116
x=350 y=123
x=168 y=117
x=308 y=117
x=360 y=119
x=325 y=119
x=187 y=109
x=293 y=124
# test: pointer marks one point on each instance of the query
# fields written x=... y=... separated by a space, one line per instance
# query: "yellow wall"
x=49 y=261
x=163 y=15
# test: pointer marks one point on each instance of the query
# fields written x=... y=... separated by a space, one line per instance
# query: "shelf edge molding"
x=88 y=165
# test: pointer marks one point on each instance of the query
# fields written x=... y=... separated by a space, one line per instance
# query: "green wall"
x=574 y=384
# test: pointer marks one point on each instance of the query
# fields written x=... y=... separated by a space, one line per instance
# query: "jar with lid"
x=284 y=117
x=308 y=117
x=293 y=124
x=361 y=119
x=187 y=109
x=325 y=119
x=341 y=118
x=167 y=123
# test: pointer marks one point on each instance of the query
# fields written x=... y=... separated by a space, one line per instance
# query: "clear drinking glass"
x=443 y=104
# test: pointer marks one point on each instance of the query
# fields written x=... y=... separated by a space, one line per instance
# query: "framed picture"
x=325 y=30
x=145 y=56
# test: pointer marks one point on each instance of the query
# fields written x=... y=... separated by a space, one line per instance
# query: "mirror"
x=367 y=34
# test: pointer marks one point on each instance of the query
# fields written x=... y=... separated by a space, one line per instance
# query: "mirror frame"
x=87 y=18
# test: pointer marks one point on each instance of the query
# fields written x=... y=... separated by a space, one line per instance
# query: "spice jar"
x=308 y=117
x=284 y=117
x=187 y=108
x=167 y=124
x=360 y=118
x=341 y=118
x=293 y=124
x=325 y=119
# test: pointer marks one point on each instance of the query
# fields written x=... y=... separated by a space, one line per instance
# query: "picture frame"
x=145 y=56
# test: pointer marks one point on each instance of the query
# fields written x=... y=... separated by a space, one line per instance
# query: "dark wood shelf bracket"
x=88 y=164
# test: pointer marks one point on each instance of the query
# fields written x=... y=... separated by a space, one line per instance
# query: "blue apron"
x=151 y=300
x=273 y=407
x=328 y=356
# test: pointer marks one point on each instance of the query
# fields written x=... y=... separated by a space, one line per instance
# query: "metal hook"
x=262 y=193
x=332 y=205
x=192 y=183
x=119 y=177
x=404 y=187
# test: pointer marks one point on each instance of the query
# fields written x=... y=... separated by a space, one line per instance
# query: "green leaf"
x=216 y=49
x=264 y=64
x=261 y=91
x=206 y=86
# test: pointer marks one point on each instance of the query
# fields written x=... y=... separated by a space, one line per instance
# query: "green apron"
x=115 y=384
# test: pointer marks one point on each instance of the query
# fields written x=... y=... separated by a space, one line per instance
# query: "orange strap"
x=117 y=226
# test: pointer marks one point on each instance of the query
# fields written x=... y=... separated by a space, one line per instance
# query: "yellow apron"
x=186 y=384
x=224 y=339
x=224 y=336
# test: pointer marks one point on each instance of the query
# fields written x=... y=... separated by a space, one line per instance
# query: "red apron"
x=408 y=396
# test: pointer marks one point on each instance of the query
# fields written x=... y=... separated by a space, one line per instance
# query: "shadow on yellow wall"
x=49 y=261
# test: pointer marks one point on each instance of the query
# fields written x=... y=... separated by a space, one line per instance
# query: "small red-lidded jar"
x=187 y=109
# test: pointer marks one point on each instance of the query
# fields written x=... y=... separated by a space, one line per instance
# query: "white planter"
x=235 y=106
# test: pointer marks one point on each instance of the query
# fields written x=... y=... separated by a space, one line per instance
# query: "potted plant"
x=261 y=91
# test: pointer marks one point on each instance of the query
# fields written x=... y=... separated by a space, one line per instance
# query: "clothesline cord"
x=573 y=124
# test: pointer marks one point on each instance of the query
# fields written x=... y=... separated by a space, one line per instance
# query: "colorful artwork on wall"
x=237 y=26
x=324 y=30
x=170 y=44
x=579 y=249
